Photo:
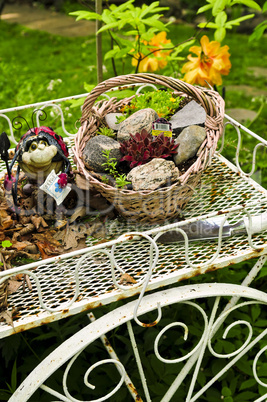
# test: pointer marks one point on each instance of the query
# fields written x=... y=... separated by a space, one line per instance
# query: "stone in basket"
x=163 y=203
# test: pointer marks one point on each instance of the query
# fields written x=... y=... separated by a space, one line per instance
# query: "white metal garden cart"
x=85 y=279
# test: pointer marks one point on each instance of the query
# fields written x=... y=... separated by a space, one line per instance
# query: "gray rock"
x=190 y=140
x=111 y=120
x=190 y=114
x=154 y=174
x=142 y=119
x=93 y=152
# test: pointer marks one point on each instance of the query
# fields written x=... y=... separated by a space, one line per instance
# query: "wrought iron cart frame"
x=85 y=279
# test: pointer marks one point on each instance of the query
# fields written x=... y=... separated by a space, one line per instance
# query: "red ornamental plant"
x=143 y=147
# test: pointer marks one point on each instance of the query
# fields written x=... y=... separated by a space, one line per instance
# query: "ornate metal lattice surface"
x=82 y=280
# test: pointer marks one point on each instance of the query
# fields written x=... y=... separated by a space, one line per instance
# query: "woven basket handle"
x=200 y=95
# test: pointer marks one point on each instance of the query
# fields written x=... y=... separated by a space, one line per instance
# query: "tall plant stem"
x=99 y=57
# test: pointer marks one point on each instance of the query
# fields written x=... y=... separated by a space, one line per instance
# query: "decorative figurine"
x=39 y=152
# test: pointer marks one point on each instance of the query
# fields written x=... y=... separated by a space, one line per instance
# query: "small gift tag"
x=53 y=188
x=162 y=126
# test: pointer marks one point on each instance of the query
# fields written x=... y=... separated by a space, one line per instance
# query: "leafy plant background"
x=28 y=62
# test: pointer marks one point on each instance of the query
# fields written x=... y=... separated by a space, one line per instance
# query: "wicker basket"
x=164 y=203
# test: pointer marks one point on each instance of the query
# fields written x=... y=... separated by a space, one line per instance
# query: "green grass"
x=29 y=60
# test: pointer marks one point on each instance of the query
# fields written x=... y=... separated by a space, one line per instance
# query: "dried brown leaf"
x=29 y=228
x=3 y=213
x=81 y=182
x=126 y=279
x=6 y=316
x=13 y=285
x=19 y=245
x=80 y=212
x=60 y=224
x=31 y=248
x=47 y=237
x=72 y=234
x=97 y=230
x=38 y=221
x=7 y=222
x=41 y=248
x=11 y=254
x=24 y=219
x=28 y=203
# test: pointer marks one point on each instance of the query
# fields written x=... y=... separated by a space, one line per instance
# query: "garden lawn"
x=30 y=59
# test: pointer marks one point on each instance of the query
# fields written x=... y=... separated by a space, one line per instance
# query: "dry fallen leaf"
x=19 y=245
x=47 y=237
x=81 y=182
x=6 y=316
x=13 y=285
x=3 y=212
x=60 y=224
x=29 y=228
x=72 y=235
x=80 y=212
x=11 y=254
x=7 y=222
x=97 y=230
x=126 y=279
x=38 y=221
x=48 y=250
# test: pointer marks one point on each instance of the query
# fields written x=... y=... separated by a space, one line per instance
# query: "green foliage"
x=121 y=180
x=106 y=131
x=5 y=394
x=129 y=27
x=6 y=243
x=111 y=163
x=260 y=28
x=163 y=102
x=219 y=9
x=111 y=168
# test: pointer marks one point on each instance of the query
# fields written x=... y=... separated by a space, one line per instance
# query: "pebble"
x=111 y=120
x=190 y=114
x=154 y=174
x=93 y=157
x=142 y=119
x=189 y=142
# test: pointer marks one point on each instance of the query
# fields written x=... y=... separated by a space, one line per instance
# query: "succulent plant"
x=143 y=147
x=165 y=103
x=106 y=131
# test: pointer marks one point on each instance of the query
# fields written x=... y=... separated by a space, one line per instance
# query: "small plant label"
x=52 y=187
x=162 y=126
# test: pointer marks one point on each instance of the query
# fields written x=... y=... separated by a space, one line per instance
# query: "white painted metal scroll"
x=74 y=346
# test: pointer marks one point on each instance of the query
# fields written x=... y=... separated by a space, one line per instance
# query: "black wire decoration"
x=18 y=123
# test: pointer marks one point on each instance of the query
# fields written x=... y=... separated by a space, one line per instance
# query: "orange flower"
x=156 y=60
x=147 y=64
x=211 y=62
